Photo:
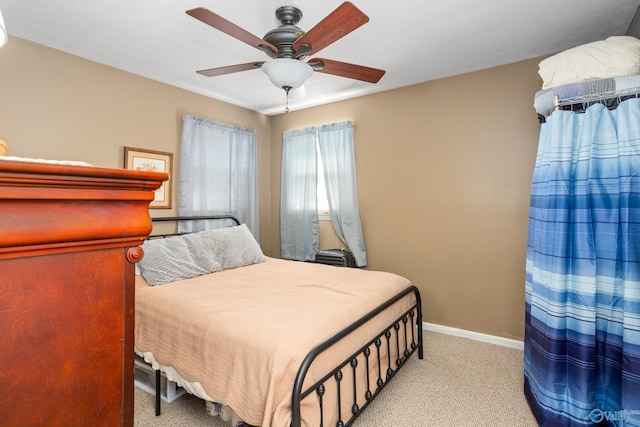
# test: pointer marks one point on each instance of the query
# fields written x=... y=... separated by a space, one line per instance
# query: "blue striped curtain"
x=582 y=326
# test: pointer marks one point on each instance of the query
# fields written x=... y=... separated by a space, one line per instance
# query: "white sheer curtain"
x=299 y=235
x=218 y=172
x=299 y=230
x=338 y=159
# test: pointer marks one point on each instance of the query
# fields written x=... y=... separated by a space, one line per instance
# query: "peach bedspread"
x=243 y=333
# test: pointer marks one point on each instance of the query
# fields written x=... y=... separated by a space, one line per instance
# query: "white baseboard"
x=492 y=339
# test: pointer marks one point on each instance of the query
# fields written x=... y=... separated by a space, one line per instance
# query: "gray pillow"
x=191 y=255
x=231 y=246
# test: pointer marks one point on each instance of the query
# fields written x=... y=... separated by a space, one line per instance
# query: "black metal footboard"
x=400 y=339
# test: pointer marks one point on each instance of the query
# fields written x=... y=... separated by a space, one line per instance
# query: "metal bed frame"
x=406 y=328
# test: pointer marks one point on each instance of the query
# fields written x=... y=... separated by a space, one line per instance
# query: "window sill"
x=324 y=216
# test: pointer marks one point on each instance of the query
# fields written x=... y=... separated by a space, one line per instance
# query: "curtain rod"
x=614 y=97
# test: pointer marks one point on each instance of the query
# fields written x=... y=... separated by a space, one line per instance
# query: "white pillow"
x=168 y=260
x=613 y=57
x=228 y=247
x=190 y=255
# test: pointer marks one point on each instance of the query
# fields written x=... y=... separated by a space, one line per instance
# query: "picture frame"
x=153 y=161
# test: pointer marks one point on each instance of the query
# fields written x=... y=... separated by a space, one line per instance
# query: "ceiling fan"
x=289 y=47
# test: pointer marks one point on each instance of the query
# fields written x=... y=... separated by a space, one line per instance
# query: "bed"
x=278 y=342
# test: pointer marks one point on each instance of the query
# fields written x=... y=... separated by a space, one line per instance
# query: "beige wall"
x=444 y=167
x=58 y=106
x=444 y=171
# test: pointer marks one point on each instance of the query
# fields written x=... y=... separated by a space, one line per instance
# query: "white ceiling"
x=413 y=40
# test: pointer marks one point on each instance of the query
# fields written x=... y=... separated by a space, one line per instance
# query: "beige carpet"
x=460 y=382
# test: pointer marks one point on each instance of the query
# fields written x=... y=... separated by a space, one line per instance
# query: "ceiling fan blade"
x=336 y=25
x=228 y=27
x=352 y=71
x=211 y=72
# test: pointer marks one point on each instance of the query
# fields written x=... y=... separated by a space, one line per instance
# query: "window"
x=218 y=171
x=304 y=152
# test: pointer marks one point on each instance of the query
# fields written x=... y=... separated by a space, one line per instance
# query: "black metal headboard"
x=189 y=218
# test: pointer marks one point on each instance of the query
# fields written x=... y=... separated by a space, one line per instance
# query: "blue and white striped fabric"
x=582 y=327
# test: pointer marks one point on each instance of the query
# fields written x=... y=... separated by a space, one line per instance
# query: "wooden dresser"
x=69 y=238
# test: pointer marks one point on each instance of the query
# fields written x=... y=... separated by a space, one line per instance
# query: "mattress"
x=587 y=91
x=241 y=334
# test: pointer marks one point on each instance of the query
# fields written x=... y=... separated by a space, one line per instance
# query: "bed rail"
x=409 y=323
x=177 y=219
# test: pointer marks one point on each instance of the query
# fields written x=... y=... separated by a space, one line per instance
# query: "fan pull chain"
x=286 y=90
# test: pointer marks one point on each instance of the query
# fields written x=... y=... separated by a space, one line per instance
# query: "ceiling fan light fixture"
x=287 y=72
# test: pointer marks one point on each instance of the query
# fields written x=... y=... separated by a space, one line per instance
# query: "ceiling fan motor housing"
x=287 y=33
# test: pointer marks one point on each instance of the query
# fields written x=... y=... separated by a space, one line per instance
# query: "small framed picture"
x=153 y=161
